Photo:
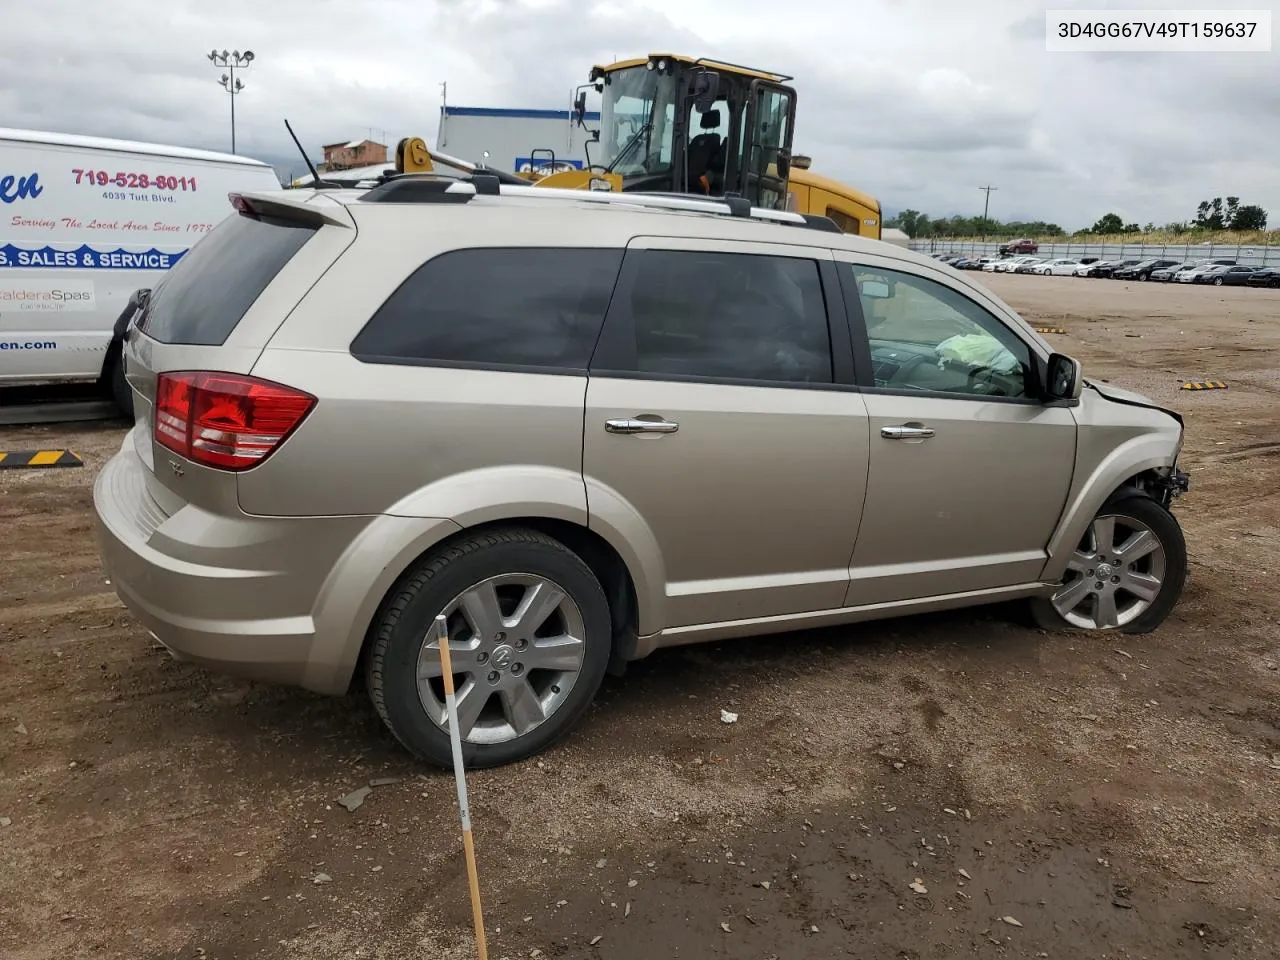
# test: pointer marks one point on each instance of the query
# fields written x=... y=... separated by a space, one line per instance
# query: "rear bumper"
x=286 y=600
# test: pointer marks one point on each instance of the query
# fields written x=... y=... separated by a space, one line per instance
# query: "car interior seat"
x=704 y=149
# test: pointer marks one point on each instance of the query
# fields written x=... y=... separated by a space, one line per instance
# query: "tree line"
x=1215 y=214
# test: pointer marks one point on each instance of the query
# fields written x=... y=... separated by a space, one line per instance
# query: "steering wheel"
x=979 y=374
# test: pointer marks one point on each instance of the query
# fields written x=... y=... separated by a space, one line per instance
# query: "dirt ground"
x=1055 y=797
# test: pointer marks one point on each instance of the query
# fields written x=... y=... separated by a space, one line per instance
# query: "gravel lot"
x=1054 y=796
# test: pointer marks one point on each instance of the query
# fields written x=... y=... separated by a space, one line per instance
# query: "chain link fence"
x=1256 y=256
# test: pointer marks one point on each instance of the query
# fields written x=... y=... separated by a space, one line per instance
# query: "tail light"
x=226 y=420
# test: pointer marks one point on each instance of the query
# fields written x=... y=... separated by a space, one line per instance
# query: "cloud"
x=916 y=101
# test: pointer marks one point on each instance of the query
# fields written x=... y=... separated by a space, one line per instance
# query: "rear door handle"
x=641 y=425
x=906 y=432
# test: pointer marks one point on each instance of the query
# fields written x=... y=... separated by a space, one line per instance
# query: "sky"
x=918 y=102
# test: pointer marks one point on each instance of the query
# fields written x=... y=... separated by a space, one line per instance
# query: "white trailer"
x=84 y=222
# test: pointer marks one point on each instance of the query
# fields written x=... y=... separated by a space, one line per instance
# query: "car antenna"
x=315 y=176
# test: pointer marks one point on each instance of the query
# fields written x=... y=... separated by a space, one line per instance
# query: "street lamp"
x=233 y=85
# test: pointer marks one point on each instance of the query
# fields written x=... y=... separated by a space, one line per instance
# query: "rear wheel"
x=529 y=638
x=1127 y=573
x=1217 y=281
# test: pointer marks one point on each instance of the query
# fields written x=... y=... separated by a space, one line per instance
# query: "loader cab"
x=702 y=127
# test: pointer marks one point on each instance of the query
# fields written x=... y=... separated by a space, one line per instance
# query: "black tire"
x=1168 y=531
x=408 y=614
x=1217 y=281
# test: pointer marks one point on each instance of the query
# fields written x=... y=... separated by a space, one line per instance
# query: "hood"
x=1120 y=395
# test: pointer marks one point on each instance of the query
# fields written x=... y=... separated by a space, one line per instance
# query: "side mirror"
x=580 y=108
x=783 y=164
x=705 y=89
x=875 y=290
x=1065 y=378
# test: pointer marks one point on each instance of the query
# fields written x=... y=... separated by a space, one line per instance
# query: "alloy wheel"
x=1115 y=575
x=517 y=644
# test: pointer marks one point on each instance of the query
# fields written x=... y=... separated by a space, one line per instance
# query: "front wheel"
x=1217 y=281
x=1127 y=573
x=529 y=640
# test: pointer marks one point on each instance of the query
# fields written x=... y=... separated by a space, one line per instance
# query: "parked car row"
x=1218 y=272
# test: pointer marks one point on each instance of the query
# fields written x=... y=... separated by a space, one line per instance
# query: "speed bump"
x=31 y=459
x=1204 y=385
x=1050 y=330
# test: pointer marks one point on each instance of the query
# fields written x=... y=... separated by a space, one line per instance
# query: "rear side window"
x=202 y=298
x=518 y=307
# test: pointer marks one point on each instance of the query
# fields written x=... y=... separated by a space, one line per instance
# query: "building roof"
x=515 y=113
x=353 y=144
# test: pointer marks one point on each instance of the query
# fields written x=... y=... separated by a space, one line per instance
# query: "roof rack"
x=434 y=189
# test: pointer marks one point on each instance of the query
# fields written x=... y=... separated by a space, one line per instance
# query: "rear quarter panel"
x=426 y=441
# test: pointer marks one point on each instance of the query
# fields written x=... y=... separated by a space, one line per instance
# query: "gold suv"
x=587 y=426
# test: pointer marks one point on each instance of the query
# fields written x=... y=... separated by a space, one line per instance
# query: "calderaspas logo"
x=46 y=295
x=14 y=188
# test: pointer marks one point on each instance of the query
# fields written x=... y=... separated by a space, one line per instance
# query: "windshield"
x=636 y=121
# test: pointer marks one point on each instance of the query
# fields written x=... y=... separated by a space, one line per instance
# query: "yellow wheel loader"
x=691 y=126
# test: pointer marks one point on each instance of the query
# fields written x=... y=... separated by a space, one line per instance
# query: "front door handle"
x=641 y=424
x=906 y=432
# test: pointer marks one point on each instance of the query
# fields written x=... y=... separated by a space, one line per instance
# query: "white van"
x=85 y=222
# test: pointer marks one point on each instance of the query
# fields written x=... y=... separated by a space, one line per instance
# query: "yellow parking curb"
x=1204 y=385
x=30 y=459
x=1050 y=330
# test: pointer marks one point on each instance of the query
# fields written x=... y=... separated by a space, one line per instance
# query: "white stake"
x=459 y=774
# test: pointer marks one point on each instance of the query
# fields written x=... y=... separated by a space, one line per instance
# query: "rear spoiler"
x=315 y=210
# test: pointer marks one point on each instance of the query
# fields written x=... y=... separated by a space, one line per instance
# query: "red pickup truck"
x=1019 y=246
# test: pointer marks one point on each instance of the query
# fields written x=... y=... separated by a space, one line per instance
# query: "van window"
x=523 y=307
x=204 y=295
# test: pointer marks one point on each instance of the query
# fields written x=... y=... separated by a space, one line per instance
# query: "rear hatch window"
x=202 y=298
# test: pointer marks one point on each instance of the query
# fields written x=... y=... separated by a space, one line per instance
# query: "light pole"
x=986 y=205
x=230 y=62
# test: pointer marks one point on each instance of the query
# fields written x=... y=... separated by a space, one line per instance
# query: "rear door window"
x=206 y=293
x=533 y=308
x=728 y=316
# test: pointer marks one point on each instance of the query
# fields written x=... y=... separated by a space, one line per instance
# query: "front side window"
x=529 y=307
x=927 y=336
x=730 y=316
